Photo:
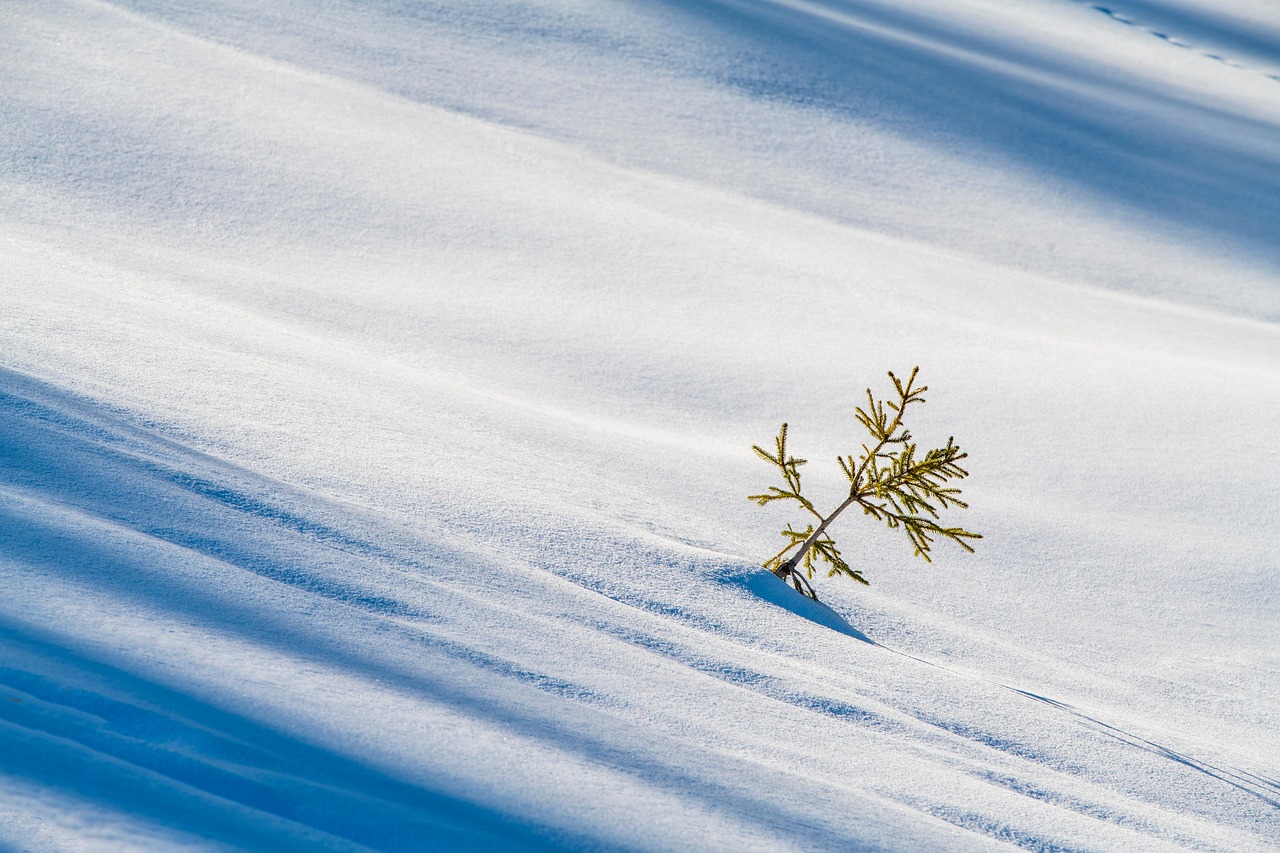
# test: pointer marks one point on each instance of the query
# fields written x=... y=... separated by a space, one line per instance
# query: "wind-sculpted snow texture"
x=378 y=384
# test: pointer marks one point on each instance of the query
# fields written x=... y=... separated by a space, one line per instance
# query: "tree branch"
x=906 y=492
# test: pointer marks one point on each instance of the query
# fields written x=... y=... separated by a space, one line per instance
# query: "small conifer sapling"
x=888 y=480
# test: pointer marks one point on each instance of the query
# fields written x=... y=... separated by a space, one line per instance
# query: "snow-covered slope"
x=378 y=388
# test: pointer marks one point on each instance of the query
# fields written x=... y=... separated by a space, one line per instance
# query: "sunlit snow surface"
x=378 y=381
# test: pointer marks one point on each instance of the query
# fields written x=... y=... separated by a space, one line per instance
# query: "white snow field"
x=378 y=380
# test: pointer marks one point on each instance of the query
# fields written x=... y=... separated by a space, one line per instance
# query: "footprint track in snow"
x=1122 y=18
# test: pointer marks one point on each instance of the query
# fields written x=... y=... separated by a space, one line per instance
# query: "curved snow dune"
x=197 y=655
x=373 y=473
x=1060 y=137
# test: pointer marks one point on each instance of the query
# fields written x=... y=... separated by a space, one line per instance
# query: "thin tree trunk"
x=789 y=567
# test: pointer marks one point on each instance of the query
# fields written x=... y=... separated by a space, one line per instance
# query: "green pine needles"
x=889 y=481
